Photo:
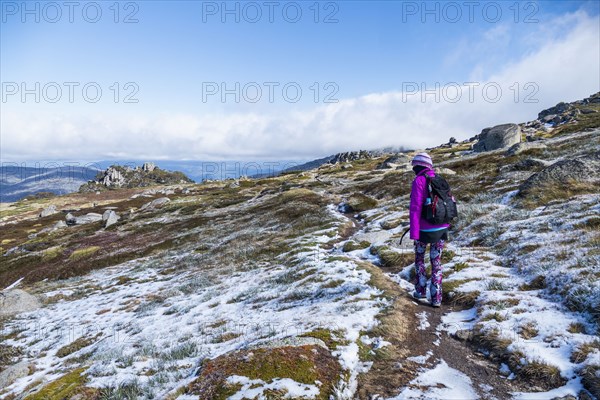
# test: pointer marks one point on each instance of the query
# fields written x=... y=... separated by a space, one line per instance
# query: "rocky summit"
x=148 y=174
x=145 y=285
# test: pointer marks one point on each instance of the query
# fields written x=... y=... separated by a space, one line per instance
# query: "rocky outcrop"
x=548 y=114
x=351 y=156
x=112 y=178
x=561 y=114
x=582 y=169
x=148 y=174
x=148 y=167
x=498 y=137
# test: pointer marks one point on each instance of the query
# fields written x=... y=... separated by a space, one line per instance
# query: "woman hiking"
x=424 y=232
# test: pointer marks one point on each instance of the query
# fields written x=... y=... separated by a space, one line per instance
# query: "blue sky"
x=374 y=49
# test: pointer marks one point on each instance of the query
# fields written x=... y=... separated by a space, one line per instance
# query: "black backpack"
x=440 y=206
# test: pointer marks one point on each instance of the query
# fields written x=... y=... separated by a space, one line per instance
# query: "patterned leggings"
x=435 y=253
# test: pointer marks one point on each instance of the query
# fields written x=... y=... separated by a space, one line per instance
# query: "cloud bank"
x=562 y=68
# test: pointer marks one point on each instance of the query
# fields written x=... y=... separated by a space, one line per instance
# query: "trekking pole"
x=404 y=234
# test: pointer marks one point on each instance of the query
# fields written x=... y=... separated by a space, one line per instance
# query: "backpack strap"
x=429 y=189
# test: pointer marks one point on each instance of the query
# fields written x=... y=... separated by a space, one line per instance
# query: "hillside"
x=264 y=288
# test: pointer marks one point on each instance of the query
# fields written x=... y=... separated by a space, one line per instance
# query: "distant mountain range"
x=18 y=181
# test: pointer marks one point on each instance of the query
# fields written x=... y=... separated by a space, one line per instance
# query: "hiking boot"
x=417 y=295
x=435 y=304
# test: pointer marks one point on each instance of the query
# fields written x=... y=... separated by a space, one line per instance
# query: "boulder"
x=156 y=203
x=70 y=218
x=16 y=301
x=582 y=169
x=50 y=210
x=523 y=146
x=84 y=219
x=59 y=225
x=393 y=161
x=110 y=218
x=14 y=372
x=359 y=202
x=498 y=137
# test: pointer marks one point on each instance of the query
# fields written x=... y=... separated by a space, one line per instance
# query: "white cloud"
x=564 y=67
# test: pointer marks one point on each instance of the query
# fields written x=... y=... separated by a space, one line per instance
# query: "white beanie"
x=422 y=159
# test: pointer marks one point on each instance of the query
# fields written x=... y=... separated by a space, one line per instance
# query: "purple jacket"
x=418 y=195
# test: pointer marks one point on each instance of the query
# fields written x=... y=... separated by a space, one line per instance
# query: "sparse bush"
x=541 y=373
x=580 y=354
x=352 y=245
x=131 y=390
x=528 y=330
x=589 y=378
x=537 y=283
x=465 y=299
x=495 y=284
x=181 y=351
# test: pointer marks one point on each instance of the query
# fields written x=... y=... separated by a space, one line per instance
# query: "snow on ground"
x=571 y=388
x=157 y=321
x=421 y=359
x=423 y=323
x=253 y=388
x=536 y=321
x=441 y=382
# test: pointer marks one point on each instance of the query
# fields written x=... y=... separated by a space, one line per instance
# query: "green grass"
x=304 y=364
x=75 y=346
x=390 y=258
x=330 y=338
x=65 y=387
x=460 y=266
x=83 y=253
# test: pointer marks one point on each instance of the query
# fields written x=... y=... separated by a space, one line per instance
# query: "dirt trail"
x=392 y=370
